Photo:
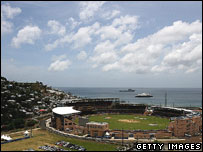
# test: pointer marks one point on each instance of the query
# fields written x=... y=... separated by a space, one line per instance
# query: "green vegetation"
x=142 y=121
x=43 y=137
x=23 y=101
x=30 y=123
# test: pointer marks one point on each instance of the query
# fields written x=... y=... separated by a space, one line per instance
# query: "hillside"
x=22 y=101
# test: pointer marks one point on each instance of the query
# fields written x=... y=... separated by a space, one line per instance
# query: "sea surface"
x=177 y=97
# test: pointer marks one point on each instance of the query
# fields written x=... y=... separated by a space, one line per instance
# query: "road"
x=22 y=131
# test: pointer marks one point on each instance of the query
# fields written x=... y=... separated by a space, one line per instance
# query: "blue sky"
x=102 y=44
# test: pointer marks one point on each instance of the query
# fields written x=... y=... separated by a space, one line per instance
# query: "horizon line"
x=131 y=87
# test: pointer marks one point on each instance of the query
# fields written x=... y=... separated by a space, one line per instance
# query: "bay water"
x=177 y=97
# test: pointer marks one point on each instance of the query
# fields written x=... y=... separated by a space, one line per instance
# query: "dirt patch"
x=129 y=120
x=107 y=118
x=153 y=124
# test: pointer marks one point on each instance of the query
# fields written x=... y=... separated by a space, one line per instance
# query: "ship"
x=144 y=95
x=129 y=90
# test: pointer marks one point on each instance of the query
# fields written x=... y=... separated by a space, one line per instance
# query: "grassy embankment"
x=43 y=137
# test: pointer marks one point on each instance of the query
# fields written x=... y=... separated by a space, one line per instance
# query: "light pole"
x=122 y=136
x=165 y=99
x=31 y=132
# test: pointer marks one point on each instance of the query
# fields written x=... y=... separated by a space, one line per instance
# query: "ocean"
x=177 y=97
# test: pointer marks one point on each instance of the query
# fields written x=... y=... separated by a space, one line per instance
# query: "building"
x=169 y=111
x=184 y=122
x=62 y=117
x=97 y=129
x=83 y=121
x=147 y=134
x=183 y=126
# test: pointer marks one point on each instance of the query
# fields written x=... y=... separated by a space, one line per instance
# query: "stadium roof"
x=64 y=110
x=186 y=110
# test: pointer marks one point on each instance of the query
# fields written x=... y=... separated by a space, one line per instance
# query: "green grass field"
x=43 y=137
x=142 y=121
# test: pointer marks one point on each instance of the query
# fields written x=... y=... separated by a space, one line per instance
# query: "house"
x=10 y=86
x=11 y=101
x=28 y=100
x=13 y=96
x=29 y=113
x=32 y=94
x=39 y=102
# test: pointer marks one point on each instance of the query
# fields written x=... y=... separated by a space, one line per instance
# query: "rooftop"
x=64 y=110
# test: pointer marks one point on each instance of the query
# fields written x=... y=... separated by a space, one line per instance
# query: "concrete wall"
x=59 y=124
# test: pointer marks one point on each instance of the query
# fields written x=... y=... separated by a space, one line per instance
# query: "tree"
x=30 y=123
x=19 y=123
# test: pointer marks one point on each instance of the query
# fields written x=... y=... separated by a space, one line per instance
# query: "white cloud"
x=187 y=56
x=109 y=32
x=115 y=32
x=73 y=23
x=51 y=46
x=83 y=35
x=126 y=22
x=60 y=57
x=102 y=47
x=82 y=55
x=112 y=37
x=104 y=53
x=176 y=32
x=9 y=12
x=6 y=27
x=120 y=33
x=56 y=27
x=89 y=8
x=104 y=58
x=60 y=41
x=111 y=14
x=79 y=39
x=26 y=35
x=60 y=63
x=124 y=38
x=175 y=47
x=108 y=67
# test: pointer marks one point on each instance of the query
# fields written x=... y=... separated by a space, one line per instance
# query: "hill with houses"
x=20 y=102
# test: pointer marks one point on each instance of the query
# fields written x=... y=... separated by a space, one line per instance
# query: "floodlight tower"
x=122 y=136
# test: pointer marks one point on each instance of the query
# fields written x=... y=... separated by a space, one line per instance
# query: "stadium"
x=109 y=118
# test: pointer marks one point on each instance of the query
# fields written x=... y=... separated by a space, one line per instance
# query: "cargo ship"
x=129 y=90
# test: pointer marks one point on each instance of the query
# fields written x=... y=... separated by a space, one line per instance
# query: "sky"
x=103 y=44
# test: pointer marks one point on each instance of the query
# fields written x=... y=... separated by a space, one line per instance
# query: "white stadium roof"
x=64 y=110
